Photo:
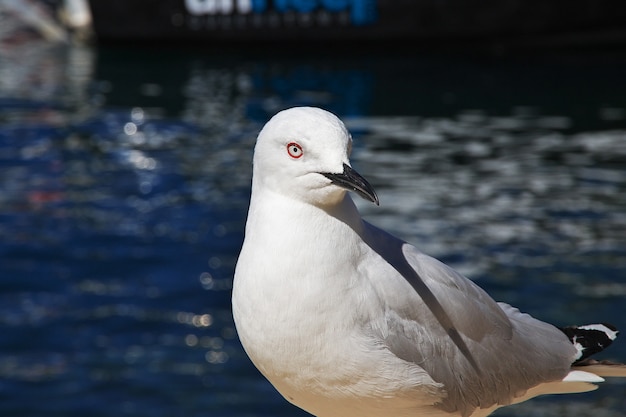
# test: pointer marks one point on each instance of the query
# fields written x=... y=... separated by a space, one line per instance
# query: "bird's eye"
x=294 y=150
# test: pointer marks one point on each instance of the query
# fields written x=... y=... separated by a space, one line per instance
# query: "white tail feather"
x=582 y=376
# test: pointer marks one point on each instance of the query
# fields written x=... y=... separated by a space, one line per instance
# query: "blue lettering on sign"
x=259 y=5
x=335 y=5
x=361 y=12
x=304 y=6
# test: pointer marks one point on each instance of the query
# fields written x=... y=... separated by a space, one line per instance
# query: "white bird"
x=347 y=320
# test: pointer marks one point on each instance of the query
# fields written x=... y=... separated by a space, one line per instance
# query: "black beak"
x=353 y=181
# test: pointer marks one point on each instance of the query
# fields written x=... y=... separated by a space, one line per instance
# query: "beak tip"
x=351 y=180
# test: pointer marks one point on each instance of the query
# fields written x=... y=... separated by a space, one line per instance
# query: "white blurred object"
x=76 y=14
x=21 y=16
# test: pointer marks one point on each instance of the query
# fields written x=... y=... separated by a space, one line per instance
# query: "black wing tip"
x=590 y=338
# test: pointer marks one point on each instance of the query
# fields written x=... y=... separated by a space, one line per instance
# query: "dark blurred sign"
x=412 y=21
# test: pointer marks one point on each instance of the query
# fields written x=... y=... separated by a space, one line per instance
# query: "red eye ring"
x=294 y=150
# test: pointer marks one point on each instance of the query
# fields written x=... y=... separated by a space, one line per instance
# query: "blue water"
x=124 y=184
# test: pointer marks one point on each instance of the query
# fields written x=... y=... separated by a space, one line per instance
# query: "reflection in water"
x=124 y=190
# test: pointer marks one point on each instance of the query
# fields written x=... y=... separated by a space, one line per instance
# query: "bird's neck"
x=269 y=205
x=346 y=212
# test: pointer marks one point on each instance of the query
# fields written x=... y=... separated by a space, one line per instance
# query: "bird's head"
x=303 y=153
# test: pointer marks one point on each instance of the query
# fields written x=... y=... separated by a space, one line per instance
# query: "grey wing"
x=483 y=352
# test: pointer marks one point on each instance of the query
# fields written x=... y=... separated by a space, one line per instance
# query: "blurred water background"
x=124 y=184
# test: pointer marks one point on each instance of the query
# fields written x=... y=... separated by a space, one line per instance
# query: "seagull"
x=346 y=320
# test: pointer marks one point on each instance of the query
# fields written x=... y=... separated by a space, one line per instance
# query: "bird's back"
x=483 y=352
